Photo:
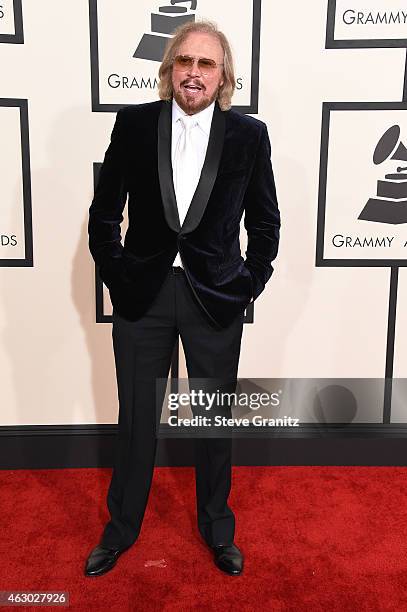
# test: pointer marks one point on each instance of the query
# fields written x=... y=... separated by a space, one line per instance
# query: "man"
x=190 y=168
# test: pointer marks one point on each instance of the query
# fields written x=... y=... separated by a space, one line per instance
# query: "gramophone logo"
x=390 y=204
x=128 y=39
x=163 y=24
x=362 y=206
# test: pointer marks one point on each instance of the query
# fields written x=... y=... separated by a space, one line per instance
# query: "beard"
x=189 y=104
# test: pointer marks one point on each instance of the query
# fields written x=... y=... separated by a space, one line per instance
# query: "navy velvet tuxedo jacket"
x=236 y=178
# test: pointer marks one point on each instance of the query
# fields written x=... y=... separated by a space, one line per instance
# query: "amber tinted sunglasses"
x=185 y=62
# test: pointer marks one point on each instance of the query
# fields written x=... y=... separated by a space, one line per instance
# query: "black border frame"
x=97 y=106
x=22 y=104
x=372 y=43
x=327 y=107
x=18 y=37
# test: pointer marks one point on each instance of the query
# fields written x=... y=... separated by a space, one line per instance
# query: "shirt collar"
x=203 y=118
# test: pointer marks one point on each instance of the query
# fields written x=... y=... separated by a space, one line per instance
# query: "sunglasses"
x=185 y=62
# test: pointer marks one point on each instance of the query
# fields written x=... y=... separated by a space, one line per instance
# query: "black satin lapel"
x=165 y=167
x=209 y=172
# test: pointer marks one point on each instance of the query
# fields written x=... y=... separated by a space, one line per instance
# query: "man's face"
x=194 y=91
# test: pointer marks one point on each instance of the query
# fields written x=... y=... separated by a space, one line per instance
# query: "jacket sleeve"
x=105 y=212
x=261 y=217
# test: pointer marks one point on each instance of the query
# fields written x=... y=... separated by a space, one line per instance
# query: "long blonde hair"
x=225 y=93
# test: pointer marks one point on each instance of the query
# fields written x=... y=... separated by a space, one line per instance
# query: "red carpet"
x=315 y=538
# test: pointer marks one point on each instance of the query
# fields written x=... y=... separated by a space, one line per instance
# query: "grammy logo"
x=390 y=205
x=163 y=23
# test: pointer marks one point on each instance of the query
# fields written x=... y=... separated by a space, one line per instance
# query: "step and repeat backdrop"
x=329 y=78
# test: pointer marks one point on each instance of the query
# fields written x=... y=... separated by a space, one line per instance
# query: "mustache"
x=193 y=82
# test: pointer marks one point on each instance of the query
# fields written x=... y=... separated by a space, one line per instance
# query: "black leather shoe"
x=101 y=560
x=228 y=558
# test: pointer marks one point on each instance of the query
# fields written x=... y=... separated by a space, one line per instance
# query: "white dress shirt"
x=199 y=139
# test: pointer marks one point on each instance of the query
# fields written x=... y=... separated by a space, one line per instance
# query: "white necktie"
x=186 y=171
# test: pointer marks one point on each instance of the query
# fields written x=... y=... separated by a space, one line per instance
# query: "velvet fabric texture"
x=236 y=179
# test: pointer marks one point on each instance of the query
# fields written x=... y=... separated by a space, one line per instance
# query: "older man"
x=190 y=167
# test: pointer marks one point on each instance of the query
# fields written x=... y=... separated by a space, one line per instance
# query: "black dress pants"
x=143 y=351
